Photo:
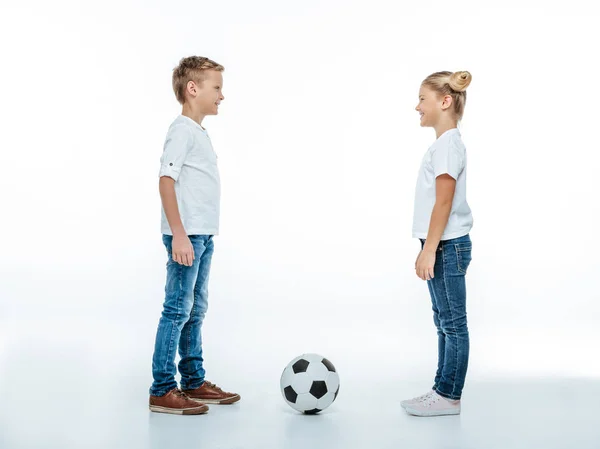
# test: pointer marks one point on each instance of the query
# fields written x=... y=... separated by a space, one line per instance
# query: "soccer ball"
x=310 y=383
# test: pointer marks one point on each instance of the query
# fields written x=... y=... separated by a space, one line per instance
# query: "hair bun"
x=459 y=81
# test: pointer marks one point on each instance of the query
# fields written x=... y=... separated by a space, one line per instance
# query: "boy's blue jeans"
x=186 y=302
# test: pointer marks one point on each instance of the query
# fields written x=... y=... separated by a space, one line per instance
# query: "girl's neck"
x=444 y=126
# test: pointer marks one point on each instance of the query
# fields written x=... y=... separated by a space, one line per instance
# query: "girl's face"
x=430 y=106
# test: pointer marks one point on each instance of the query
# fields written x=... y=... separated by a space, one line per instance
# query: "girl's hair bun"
x=459 y=81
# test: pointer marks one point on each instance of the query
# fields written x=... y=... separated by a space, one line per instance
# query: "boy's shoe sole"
x=225 y=401
x=180 y=411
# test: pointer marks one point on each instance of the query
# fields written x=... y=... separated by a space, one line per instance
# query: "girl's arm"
x=444 y=194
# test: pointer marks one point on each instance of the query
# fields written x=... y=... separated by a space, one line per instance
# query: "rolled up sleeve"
x=178 y=143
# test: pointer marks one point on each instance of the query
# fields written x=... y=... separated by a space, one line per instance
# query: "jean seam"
x=453 y=323
x=178 y=305
x=460 y=269
x=188 y=336
x=194 y=306
x=186 y=347
x=437 y=325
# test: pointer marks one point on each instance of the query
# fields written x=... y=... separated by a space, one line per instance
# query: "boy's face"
x=208 y=95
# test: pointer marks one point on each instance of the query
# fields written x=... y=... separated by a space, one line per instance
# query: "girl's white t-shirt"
x=447 y=155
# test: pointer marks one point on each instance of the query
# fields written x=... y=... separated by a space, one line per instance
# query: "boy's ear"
x=192 y=87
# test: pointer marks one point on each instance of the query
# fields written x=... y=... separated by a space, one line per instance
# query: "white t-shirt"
x=188 y=157
x=447 y=155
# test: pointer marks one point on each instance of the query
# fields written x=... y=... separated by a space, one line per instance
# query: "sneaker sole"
x=414 y=412
x=179 y=411
x=225 y=401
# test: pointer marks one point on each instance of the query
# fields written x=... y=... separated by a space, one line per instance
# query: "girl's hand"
x=424 y=265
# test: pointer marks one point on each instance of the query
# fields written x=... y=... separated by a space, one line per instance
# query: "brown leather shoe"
x=176 y=402
x=209 y=393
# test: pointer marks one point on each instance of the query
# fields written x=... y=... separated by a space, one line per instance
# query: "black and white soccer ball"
x=310 y=383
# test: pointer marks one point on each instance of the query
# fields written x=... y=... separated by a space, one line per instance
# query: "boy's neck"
x=189 y=111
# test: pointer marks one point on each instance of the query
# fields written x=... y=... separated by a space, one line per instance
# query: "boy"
x=190 y=193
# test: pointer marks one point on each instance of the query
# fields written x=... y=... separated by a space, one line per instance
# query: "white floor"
x=82 y=383
x=77 y=409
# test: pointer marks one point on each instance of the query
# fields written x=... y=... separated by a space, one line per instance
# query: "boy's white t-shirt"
x=188 y=157
x=447 y=155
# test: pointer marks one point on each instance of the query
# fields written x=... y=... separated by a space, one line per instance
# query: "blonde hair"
x=191 y=68
x=453 y=84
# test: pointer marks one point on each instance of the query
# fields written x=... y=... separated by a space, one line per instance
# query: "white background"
x=319 y=146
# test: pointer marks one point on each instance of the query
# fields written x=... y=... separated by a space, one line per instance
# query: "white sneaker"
x=434 y=405
x=415 y=400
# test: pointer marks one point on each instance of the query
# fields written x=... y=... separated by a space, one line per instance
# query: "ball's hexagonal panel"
x=312 y=358
x=326 y=400
x=287 y=377
x=333 y=381
x=301 y=383
x=317 y=371
x=305 y=402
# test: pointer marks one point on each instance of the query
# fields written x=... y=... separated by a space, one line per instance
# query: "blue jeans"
x=449 y=299
x=186 y=302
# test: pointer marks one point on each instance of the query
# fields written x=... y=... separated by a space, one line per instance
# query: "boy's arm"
x=182 y=249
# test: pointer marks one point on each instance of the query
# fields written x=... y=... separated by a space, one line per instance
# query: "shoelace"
x=430 y=399
x=211 y=385
x=420 y=398
x=181 y=394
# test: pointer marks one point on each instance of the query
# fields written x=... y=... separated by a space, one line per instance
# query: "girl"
x=442 y=221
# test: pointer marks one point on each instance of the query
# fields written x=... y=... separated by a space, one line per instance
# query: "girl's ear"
x=447 y=101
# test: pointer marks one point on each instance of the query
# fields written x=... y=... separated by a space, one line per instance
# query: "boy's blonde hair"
x=191 y=68
x=451 y=83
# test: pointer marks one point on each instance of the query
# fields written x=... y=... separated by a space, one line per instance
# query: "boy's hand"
x=418 y=259
x=183 y=251
x=425 y=264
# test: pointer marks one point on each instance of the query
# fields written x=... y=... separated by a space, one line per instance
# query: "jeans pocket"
x=463 y=256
